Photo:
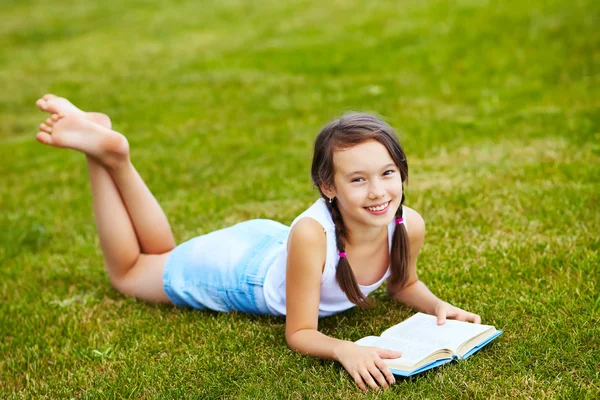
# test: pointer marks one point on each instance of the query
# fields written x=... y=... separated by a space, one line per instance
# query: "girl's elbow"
x=292 y=341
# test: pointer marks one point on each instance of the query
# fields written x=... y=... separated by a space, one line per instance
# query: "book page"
x=423 y=329
x=412 y=353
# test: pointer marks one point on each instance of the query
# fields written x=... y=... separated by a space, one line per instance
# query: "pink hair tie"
x=342 y=254
x=399 y=220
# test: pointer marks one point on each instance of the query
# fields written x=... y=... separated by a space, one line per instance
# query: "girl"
x=335 y=253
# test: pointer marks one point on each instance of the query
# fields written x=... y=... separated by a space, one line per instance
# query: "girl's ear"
x=328 y=191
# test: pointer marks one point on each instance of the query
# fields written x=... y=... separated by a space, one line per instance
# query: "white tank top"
x=333 y=300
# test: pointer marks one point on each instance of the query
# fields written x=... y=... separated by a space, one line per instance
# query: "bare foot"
x=75 y=131
x=59 y=105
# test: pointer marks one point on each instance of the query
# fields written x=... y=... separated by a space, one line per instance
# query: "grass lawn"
x=496 y=104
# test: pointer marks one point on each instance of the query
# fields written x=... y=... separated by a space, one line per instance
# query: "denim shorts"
x=225 y=270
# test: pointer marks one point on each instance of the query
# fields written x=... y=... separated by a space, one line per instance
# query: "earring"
x=330 y=200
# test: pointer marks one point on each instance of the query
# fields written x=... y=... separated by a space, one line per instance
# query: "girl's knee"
x=143 y=280
x=122 y=285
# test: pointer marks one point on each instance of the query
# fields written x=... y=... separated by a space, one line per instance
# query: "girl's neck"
x=362 y=235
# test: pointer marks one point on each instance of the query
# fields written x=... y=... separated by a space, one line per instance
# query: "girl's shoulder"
x=307 y=244
x=318 y=212
x=308 y=229
x=415 y=224
x=307 y=238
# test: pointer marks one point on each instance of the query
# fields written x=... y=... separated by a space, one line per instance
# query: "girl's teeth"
x=381 y=207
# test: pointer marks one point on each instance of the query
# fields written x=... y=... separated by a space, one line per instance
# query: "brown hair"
x=343 y=133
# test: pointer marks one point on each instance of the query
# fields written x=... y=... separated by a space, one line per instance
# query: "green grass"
x=496 y=104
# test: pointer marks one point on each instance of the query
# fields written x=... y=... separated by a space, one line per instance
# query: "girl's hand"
x=444 y=310
x=365 y=364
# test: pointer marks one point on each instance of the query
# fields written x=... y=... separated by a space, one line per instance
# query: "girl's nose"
x=376 y=191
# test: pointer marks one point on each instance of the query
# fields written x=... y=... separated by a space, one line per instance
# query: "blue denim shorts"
x=225 y=270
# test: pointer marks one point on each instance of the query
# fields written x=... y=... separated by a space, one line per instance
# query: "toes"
x=41 y=104
x=46 y=128
x=43 y=137
x=49 y=122
x=48 y=96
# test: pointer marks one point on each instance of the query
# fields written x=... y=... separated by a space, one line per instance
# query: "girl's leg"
x=131 y=271
x=134 y=233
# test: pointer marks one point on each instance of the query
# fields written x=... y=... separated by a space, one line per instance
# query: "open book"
x=425 y=345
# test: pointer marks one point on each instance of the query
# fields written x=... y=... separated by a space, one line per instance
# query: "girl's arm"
x=307 y=249
x=415 y=294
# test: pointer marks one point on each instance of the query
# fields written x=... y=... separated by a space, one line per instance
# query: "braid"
x=344 y=275
x=399 y=253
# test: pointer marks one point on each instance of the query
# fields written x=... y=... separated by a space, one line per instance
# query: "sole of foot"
x=75 y=131
x=56 y=105
x=59 y=105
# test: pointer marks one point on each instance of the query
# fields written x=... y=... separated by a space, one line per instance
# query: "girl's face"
x=367 y=184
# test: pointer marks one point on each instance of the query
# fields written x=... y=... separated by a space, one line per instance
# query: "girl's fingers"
x=385 y=353
x=468 y=317
x=441 y=316
x=366 y=375
x=376 y=373
x=442 y=312
x=385 y=370
x=446 y=311
x=473 y=318
x=359 y=381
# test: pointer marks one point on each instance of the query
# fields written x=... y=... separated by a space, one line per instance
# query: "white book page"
x=412 y=353
x=423 y=329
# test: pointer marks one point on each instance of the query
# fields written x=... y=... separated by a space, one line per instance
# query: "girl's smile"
x=379 y=209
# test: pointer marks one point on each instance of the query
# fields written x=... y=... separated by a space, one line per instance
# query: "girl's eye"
x=389 y=172
x=357 y=180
